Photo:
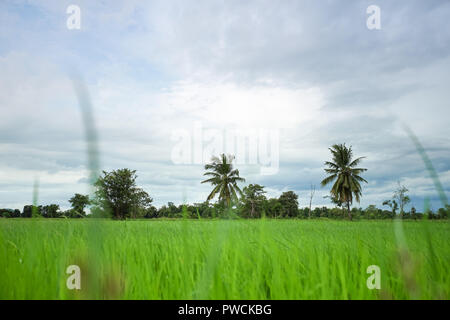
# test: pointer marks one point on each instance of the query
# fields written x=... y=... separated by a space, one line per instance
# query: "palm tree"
x=344 y=170
x=224 y=179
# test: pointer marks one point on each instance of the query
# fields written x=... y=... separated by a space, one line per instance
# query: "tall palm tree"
x=347 y=175
x=224 y=179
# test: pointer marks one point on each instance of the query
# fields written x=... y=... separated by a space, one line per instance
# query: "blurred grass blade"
x=429 y=165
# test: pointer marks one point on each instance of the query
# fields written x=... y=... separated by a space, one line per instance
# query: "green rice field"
x=224 y=259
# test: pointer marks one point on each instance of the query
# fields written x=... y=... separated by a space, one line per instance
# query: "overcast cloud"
x=309 y=69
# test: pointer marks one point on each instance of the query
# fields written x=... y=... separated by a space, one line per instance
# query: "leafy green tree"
x=324 y=212
x=141 y=201
x=443 y=213
x=79 y=202
x=31 y=211
x=344 y=171
x=273 y=208
x=163 y=212
x=204 y=209
x=50 y=211
x=253 y=200
x=173 y=210
x=9 y=213
x=224 y=179
x=289 y=204
x=27 y=211
x=430 y=214
x=316 y=213
x=117 y=191
x=151 y=212
x=371 y=212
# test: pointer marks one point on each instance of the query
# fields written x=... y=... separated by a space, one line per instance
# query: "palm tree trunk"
x=348 y=211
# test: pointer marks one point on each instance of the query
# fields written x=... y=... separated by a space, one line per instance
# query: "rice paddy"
x=223 y=259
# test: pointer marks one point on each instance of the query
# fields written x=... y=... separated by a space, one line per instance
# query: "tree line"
x=117 y=196
x=253 y=205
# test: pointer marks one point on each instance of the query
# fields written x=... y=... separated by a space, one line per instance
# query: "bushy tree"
x=9 y=213
x=50 y=211
x=443 y=213
x=116 y=191
x=79 y=203
x=27 y=211
x=253 y=201
x=289 y=204
x=273 y=208
x=151 y=212
x=371 y=212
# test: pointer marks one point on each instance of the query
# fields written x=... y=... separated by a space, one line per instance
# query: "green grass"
x=223 y=259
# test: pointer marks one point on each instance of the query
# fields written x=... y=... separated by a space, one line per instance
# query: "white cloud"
x=313 y=71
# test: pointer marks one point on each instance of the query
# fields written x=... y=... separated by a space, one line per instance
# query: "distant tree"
x=5 y=213
x=163 y=212
x=289 y=204
x=392 y=204
x=97 y=211
x=36 y=211
x=359 y=212
x=31 y=211
x=141 y=201
x=413 y=213
x=79 y=202
x=27 y=211
x=204 y=209
x=50 y=211
x=399 y=200
x=371 y=212
x=316 y=213
x=117 y=191
x=344 y=170
x=443 y=213
x=324 y=212
x=9 y=213
x=151 y=212
x=170 y=211
x=401 y=197
x=273 y=208
x=224 y=179
x=173 y=210
x=253 y=200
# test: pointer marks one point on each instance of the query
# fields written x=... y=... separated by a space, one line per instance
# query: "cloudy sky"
x=165 y=76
